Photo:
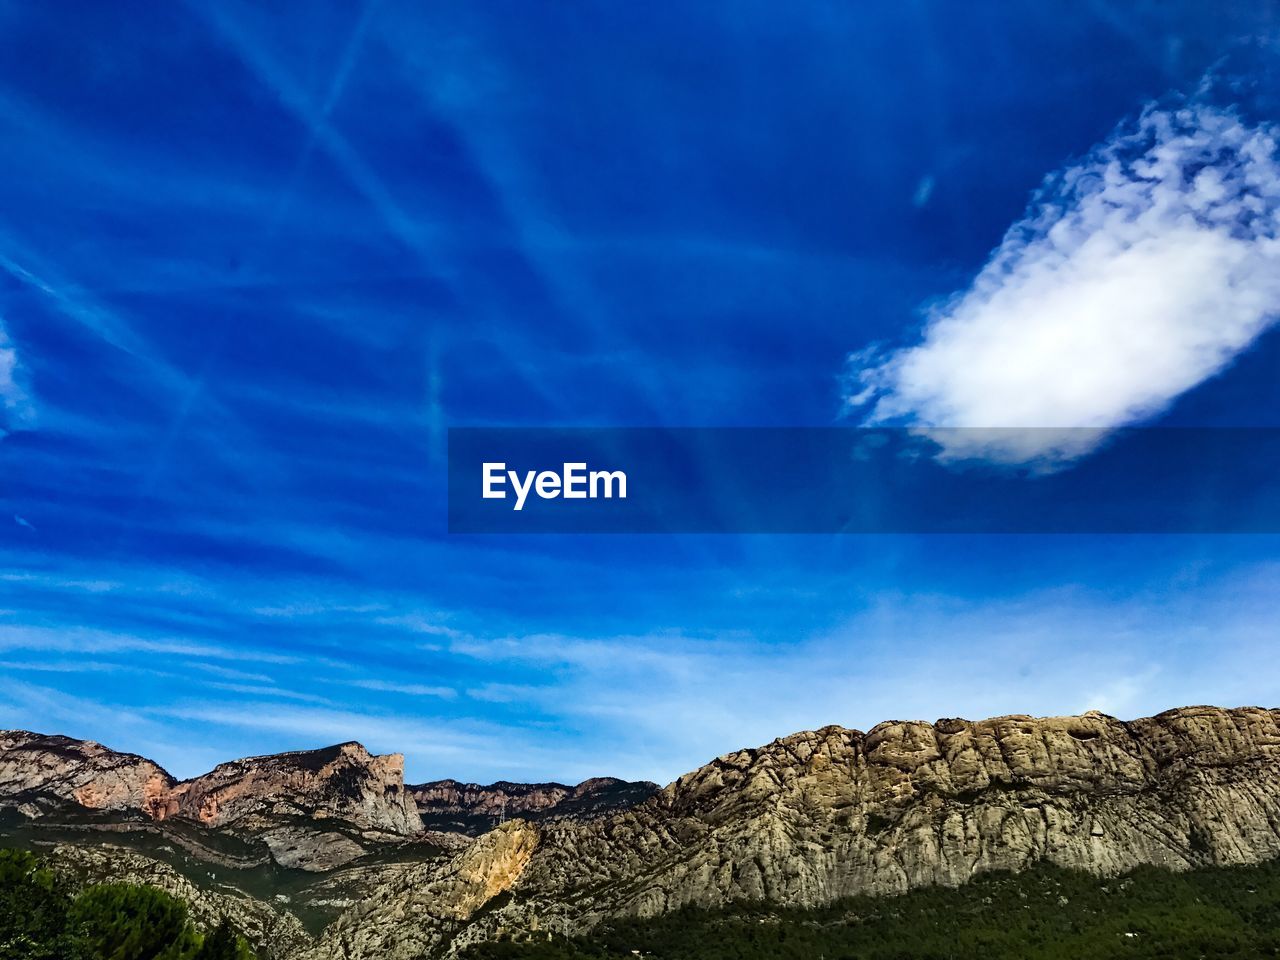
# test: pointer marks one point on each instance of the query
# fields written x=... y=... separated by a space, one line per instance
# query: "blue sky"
x=254 y=263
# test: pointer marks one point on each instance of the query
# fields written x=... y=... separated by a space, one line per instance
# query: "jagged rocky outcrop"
x=423 y=910
x=473 y=808
x=820 y=815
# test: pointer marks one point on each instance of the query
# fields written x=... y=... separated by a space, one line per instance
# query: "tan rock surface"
x=421 y=909
x=821 y=815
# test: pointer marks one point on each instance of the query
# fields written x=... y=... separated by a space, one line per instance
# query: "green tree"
x=33 y=909
x=224 y=944
x=116 y=921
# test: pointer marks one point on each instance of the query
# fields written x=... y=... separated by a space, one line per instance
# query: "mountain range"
x=327 y=853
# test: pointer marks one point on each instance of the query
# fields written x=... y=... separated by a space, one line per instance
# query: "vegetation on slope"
x=1044 y=914
x=42 y=918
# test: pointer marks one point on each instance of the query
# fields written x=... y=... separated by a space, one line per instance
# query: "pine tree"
x=224 y=944
x=33 y=909
x=116 y=921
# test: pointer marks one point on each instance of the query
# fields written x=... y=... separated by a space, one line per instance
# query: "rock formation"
x=421 y=909
x=817 y=816
x=472 y=808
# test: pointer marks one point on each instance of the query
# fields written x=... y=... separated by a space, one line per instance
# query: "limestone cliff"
x=821 y=815
x=817 y=816
x=424 y=909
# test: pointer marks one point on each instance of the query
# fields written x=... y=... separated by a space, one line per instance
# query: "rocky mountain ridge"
x=39 y=773
x=820 y=815
x=343 y=781
x=473 y=808
x=314 y=809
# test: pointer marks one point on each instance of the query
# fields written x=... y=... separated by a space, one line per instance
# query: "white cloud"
x=1135 y=275
x=431 y=749
x=416 y=623
x=74 y=666
x=267 y=691
x=81 y=640
x=232 y=674
x=14 y=403
x=409 y=689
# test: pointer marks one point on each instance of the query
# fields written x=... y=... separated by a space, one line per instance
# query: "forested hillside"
x=1044 y=914
x=43 y=917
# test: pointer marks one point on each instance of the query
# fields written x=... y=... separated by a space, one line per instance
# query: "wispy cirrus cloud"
x=78 y=665
x=230 y=673
x=80 y=640
x=408 y=689
x=1136 y=274
x=430 y=741
x=14 y=401
x=270 y=692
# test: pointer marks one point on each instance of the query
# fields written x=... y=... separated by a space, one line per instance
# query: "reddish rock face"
x=41 y=773
x=344 y=782
x=157 y=802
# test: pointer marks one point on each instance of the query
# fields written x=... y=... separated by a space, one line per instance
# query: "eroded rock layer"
x=313 y=809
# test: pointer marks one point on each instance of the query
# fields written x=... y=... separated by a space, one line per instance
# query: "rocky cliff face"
x=315 y=809
x=424 y=910
x=472 y=808
x=343 y=781
x=40 y=773
x=821 y=815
